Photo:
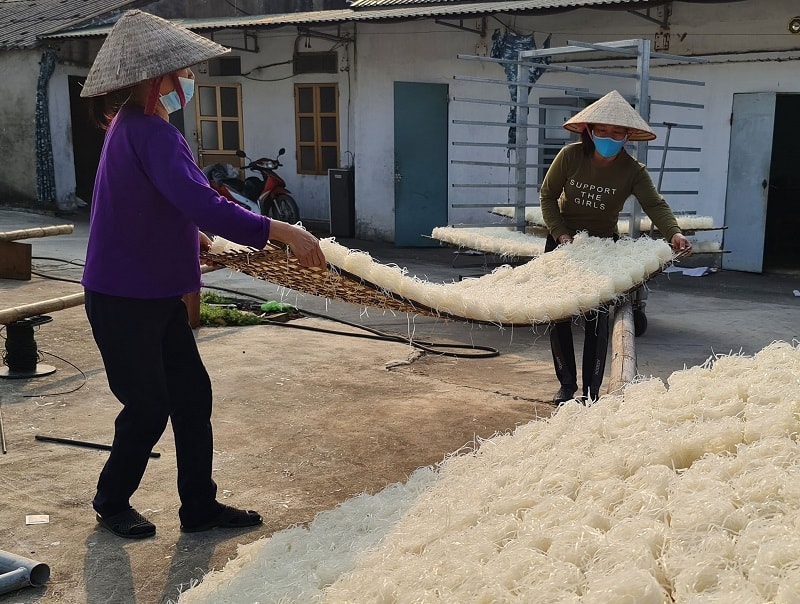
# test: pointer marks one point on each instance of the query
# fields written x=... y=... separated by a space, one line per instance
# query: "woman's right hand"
x=302 y=243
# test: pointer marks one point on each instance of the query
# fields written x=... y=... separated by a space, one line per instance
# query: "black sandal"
x=129 y=524
x=228 y=517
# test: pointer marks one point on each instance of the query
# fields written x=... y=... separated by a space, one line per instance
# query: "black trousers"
x=154 y=369
x=595 y=348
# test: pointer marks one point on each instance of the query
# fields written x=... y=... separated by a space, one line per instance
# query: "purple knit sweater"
x=149 y=199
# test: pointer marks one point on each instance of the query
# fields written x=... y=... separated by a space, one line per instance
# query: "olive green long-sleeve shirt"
x=578 y=195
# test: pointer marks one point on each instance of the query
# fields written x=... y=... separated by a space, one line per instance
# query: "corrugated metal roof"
x=450 y=4
x=372 y=3
x=22 y=22
x=476 y=8
x=344 y=15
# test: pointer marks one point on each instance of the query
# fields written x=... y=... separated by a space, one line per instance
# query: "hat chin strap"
x=155 y=93
x=152 y=97
x=176 y=82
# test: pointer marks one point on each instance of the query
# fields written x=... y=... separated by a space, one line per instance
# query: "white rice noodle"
x=687 y=222
x=571 y=280
x=665 y=493
x=506 y=242
x=220 y=245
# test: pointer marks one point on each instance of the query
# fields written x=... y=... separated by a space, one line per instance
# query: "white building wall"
x=19 y=71
x=61 y=134
x=268 y=109
x=423 y=51
x=747 y=42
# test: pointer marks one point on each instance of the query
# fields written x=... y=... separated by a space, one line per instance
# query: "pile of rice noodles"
x=684 y=492
x=506 y=242
x=573 y=279
x=687 y=222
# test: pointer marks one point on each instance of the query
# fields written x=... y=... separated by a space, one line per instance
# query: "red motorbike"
x=266 y=195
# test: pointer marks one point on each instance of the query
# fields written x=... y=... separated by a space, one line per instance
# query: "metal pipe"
x=17 y=572
x=2 y=435
x=82 y=443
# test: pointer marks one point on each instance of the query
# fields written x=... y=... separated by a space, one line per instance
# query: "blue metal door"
x=420 y=161
x=748 y=180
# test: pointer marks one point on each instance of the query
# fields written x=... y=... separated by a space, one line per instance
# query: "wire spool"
x=21 y=358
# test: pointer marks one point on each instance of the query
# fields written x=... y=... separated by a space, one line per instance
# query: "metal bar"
x=513 y=104
x=586 y=70
x=663 y=158
x=685 y=126
x=517 y=83
x=614 y=47
x=485 y=205
x=680 y=192
x=2 y=435
x=513 y=205
x=677 y=104
x=643 y=106
x=674 y=169
x=617 y=74
x=81 y=443
x=689 y=149
x=521 y=172
x=504 y=145
x=504 y=124
x=677 y=125
x=669 y=126
x=578 y=47
x=496 y=186
x=482 y=225
x=493 y=163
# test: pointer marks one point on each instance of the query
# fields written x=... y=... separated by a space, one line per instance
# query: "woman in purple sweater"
x=150 y=202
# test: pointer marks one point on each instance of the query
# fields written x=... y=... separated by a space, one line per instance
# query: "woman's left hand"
x=205 y=242
x=680 y=243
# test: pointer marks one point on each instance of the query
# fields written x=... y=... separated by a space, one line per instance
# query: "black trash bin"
x=342 y=202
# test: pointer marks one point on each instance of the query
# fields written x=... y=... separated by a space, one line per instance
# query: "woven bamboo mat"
x=275 y=265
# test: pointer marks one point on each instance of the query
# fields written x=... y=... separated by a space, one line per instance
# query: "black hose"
x=432 y=347
x=485 y=352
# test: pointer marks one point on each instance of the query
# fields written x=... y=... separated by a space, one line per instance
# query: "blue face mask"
x=172 y=100
x=607 y=146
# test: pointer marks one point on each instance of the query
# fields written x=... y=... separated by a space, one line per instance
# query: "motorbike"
x=265 y=194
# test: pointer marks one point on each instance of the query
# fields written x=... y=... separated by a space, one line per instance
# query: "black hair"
x=103 y=108
x=586 y=140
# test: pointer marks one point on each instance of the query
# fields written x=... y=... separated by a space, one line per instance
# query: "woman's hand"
x=205 y=242
x=566 y=238
x=680 y=243
x=302 y=243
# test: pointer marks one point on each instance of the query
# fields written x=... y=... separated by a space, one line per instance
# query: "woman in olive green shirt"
x=585 y=189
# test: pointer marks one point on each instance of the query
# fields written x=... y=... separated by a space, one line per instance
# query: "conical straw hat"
x=615 y=110
x=141 y=46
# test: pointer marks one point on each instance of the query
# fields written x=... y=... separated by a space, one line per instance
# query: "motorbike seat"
x=233 y=183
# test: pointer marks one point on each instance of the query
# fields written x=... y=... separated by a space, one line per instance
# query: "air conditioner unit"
x=225 y=66
x=315 y=62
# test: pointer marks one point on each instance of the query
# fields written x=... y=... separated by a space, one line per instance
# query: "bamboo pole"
x=623 y=349
x=16 y=313
x=64 y=229
x=10 y=315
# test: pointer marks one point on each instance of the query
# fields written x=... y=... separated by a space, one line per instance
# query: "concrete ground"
x=304 y=418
